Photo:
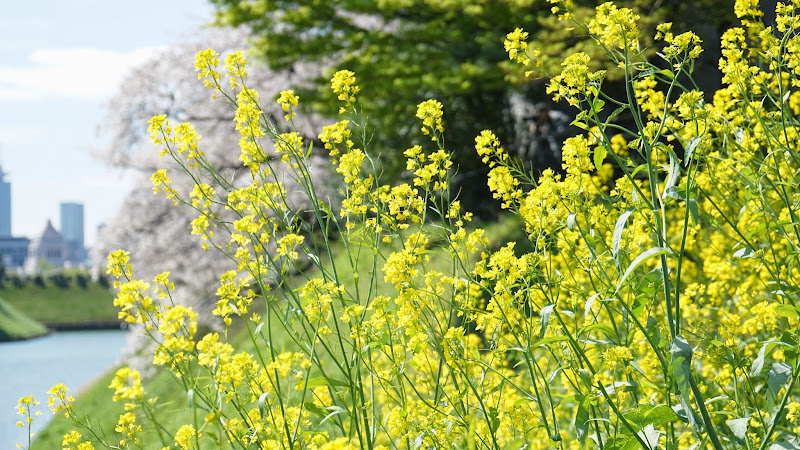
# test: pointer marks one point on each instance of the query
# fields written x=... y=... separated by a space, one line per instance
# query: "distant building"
x=72 y=232
x=50 y=248
x=5 y=206
x=13 y=251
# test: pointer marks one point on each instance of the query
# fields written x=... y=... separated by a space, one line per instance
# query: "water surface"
x=32 y=367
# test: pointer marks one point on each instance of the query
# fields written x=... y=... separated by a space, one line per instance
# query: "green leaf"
x=262 y=404
x=783 y=445
x=667 y=73
x=687 y=414
x=681 y=353
x=494 y=419
x=673 y=173
x=647 y=414
x=655 y=251
x=310 y=407
x=599 y=155
x=622 y=442
x=650 y=437
x=473 y=425
x=787 y=311
x=326 y=412
x=765 y=226
x=582 y=419
x=607 y=330
x=690 y=148
x=638 y=305
x=597 y=106
x=551 y=340
x=673 y=192
x=334 y=410
x=777 y=376
x=758 y=363
x=616 y=113
x=544 y=315
x=578 y=123
x=654 y=331
x=694 y=212
x=739 y=427
x=571 y=221
x=589 y=303
x=618 y=228
x=744 y=252
x=681 y=364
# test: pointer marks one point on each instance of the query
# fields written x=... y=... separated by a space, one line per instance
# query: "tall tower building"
x=72 y=231
x=5 y=205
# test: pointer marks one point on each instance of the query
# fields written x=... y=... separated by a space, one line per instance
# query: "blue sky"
x=59 y=63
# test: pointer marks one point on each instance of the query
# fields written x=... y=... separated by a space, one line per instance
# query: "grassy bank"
x=15 y=325
x=61 y=308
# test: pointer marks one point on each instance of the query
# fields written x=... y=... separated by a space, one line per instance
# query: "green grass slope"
x=15 y=325
x=63 y=308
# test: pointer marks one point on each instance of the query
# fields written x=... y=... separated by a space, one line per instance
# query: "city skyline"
x=62 y=247
x=5 y=204
x=61 y=63
x=70 y=217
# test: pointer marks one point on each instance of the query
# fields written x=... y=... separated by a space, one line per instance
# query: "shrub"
x=39 y=281
x=656 y=306
x=17 y=281
x=60 y=279
x=83 y=279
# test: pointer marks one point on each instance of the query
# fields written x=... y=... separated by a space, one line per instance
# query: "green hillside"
x=15 y=325
x=60 y=308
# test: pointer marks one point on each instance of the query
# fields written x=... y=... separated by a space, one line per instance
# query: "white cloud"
x=79 y=73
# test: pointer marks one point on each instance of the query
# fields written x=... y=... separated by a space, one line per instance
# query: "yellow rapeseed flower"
x=288 y=100
x=343 y=84
x=616 y=27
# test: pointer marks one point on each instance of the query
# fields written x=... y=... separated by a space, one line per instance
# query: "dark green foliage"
x=82 y=280
x=405 y=52
x=60 y=280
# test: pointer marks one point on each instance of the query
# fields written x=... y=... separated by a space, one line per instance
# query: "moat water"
x=32 y=367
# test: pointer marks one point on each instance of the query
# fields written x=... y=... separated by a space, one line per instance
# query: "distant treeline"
x=64 y=279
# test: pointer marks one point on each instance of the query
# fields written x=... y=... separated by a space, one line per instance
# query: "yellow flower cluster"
x=231 y=301
x=236 y=66
x=72 y=441
x=344 y=86
x=516 y=46
x=288 y=101
x=127 y=385
x=683 y=45
x=58 y=400
x=430 y=112
x=206 y=65
x=290 y=145
x=129 y=429
x=616 y=27
x=25 y=407
x=185 y=437
x=575 y=83
x=334 y=135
